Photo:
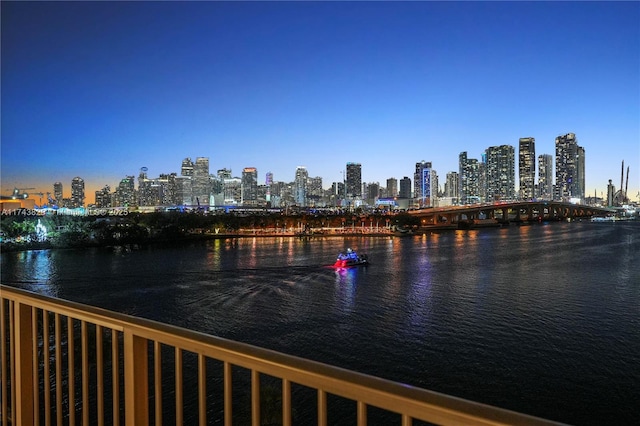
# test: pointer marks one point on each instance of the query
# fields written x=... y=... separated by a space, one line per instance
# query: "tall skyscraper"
x=527 y=167
x=392 y=187
x=500 y=173
x=405 y=188
x=452 y=186
x=103 y=197
x=125 y=192
x=469 y=174
x=354 y=180
x=77 y=192
x=249 y=186
x=268 y=182
x=570 y=159
x=187 y=167
x=545 y=177
x=300 y=185
x=423 y=185
x=200 y=184
x=57 y=193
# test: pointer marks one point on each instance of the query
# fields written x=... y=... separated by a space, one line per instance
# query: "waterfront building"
x=57 y=193
x=187 y=167
x=300 y=186
x=232 y=191
x=570 y=158
x=405 y=188
x=527 y=167
x=183 y=191
x=424 y=190
x=200 y=184
x=353 y=184
x=77 y=192
x=500 y=173
x=469 y=175
x=126 y=193
x=103 y=197
x=545 y=177
x=392 y=187
x=249 y=186
x=268 y=182
x=373 y=193
x=315 y=192
x=452 y=187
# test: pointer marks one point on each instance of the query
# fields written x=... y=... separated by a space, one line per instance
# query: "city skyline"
x=99 y=90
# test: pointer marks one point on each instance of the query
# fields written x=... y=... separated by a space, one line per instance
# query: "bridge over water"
x=494 y=214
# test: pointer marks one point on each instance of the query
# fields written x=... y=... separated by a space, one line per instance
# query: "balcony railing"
x=68 y=363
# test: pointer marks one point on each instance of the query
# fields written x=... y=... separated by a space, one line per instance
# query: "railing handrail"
x=408 y=400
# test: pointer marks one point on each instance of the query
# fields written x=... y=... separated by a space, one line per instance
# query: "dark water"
x=541 y=319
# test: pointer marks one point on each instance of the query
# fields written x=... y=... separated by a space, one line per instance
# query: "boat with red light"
x=350 y=259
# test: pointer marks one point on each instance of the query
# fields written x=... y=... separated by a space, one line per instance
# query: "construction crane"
x=16 y=195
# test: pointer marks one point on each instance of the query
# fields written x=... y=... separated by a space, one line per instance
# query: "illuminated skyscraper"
x=570 y=159
x=469 y=174
x=354 y=181
x=249 y=186
x=423 y=186
x=268 y=182
x=527 y=167
x=545 y=176
x=125 y=192
x=103 y=197
x=187 y=167
x=200 y=184
x=77 y=192
x=300 y=186
x=57 y=193
x=500 y=173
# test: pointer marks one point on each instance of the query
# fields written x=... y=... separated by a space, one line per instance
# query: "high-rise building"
x=200 y=183
x=187 y=167
x=405 y=188
x=500 y=173
x=268 y=182
x=125 y=192
x=545 y=176
x=570 y=159
x=103 y=197
x=300 y=185
x=353 y=184
x=183 y=191
x=373 y=193
x=77 y=192
x=392 y=187
x=452 y=186
x=527 y=167
x=423 y=186
x=57 y=193
x=249 y=186
x=314 y=191
x=469 y=175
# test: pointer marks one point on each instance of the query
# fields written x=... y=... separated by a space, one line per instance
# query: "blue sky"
x=100 y=89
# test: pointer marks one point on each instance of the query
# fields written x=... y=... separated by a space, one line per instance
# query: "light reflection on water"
x=521 y=317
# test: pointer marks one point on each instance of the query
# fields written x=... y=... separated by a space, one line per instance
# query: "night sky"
x=101 y=89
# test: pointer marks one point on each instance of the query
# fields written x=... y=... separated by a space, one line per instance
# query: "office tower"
x=125 y=193
x=423 y=190
x=527 y=167
x=373 y=193
x=353 y=184
x=545 y=176
x=77 y=192
x=232 y=191
x=569 y=168
x=469 y=175
x=500 y=173
x=268 y=182
x=200 y=183
x=314 y=190
x=103 y=197
x=57 y=192
x=452 y=186
x=249 y=186
x=183 y=191
x=187 y=167
x=405 y=188
x=300 y=186
x=224 y=173
x=392 y=187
